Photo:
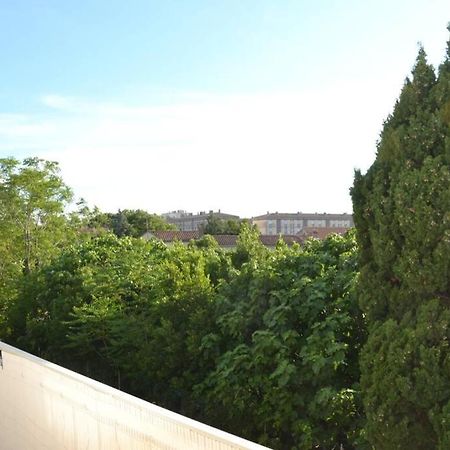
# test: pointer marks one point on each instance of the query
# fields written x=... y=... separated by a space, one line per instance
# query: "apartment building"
x=294 y=223
x=186 y=221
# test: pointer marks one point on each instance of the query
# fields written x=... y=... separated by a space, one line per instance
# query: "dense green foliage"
x=261 y=343
x=126 y=222
x=402 y=216
x=286 y=346
x=33 y=226
x=215 y=226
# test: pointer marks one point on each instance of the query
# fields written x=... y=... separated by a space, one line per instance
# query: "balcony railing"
x=44 y=406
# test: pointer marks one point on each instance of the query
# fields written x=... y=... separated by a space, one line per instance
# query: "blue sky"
x=247 y=106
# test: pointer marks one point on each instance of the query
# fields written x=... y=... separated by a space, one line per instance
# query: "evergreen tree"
x=120 y=224
x=215 y=226
x=128 y=222
x=401 y=211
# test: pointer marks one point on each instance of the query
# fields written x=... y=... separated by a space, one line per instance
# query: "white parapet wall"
x=44 y=406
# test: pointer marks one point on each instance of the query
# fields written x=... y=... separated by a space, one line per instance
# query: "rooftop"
x=228 y=240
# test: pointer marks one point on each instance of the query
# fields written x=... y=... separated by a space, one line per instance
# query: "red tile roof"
x=224 y=240
x=227 y=240
x=174 y=235
x=322 y=232
x=272 y=239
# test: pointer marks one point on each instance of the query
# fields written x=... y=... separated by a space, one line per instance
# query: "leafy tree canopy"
x=127 y=222
x=260 y=343
x=215 y=226
x=33 y=224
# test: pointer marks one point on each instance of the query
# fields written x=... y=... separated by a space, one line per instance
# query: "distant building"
x=186 y=221
x=295 y=223
x=176 y=214
x=270 y=224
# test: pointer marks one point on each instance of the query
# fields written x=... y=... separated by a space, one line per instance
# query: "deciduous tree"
x=33 y=225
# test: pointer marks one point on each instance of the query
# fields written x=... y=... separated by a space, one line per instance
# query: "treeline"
x=341 y=343
x=125 y=222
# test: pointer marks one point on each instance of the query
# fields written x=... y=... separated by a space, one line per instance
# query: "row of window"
x=294 y=226
x=340 y=223
x=286 y=226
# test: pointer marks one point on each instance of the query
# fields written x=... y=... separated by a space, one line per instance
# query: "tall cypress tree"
x=402 y=216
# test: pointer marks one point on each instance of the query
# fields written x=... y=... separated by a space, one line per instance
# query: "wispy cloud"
x=21 y=125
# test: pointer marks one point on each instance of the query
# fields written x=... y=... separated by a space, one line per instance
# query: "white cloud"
x=244 y=154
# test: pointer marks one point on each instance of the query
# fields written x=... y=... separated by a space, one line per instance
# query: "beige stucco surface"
x=43 y=406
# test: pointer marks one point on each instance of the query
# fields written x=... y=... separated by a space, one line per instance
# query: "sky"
x=246 y=106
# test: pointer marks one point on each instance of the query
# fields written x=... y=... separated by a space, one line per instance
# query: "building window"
x=271 y=227
x=317 y=223
x=340 y=223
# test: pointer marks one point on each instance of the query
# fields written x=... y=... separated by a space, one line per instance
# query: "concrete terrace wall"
x=44 y=406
